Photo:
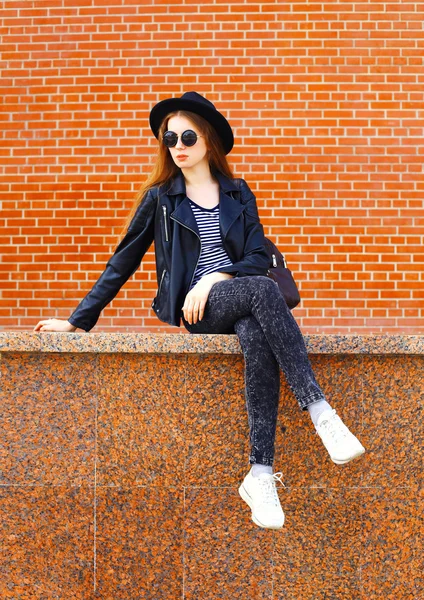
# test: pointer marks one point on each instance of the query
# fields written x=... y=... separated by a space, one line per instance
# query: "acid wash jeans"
x=254 y=308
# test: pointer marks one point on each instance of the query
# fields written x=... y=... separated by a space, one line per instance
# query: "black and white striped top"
x=212 y=255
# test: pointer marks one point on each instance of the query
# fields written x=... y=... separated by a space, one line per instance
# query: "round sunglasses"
x=188 y=138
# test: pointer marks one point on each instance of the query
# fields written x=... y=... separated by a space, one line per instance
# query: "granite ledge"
x=184 y=343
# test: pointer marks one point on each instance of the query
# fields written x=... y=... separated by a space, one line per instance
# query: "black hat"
x=198 y=104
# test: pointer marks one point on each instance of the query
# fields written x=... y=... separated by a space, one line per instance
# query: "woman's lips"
x=182 y=156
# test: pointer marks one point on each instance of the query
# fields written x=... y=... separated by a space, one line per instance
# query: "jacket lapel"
x=230 y=208
x=229 y=211
x=183 y=214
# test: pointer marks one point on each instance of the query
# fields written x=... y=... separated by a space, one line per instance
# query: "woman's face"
x=193 y=154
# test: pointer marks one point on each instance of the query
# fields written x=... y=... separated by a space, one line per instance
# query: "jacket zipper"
x=198 y=258
x=166 y=225
x=161 y=279
x=274 y=261
x=160 y=285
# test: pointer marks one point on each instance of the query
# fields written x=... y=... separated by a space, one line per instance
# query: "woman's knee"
x=264 y=284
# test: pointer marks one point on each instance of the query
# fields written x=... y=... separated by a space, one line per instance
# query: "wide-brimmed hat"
x=196 y=103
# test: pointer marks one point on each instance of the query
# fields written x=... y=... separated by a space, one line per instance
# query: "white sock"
x=257 y=469
x=316 y=409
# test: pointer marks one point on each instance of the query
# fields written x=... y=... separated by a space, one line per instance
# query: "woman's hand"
x=195 y=301
x=54 y=325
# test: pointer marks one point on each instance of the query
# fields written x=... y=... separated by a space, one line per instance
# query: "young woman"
x=212 y=265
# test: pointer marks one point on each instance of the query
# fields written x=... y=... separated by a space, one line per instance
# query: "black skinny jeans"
x=254 y=308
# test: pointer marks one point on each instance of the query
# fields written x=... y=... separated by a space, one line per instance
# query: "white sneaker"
x=260 y=493
x=341 y=444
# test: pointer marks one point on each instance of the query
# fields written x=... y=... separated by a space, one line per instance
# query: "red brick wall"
x=326 y=102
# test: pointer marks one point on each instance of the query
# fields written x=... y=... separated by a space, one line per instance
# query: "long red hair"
x=165 y=168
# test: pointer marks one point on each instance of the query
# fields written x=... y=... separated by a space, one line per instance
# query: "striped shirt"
x=213 y=254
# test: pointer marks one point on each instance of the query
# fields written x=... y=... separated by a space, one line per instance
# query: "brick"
x=338 y=182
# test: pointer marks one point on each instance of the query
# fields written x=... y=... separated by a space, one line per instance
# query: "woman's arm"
x=125 y=261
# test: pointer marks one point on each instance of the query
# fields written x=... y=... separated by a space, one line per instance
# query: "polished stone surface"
x=140 y=419
x=392 y=563
x=183 y=342
x=393 y=416
x=318 y=553
x=47 y=542
x=121 y=458
x=48 y=418
x=140 y=542
x=226 y=555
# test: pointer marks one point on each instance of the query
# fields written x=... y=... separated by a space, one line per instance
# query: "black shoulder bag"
x=280 y=273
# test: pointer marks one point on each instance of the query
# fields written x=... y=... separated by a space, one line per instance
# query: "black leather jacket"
x=168 y=220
